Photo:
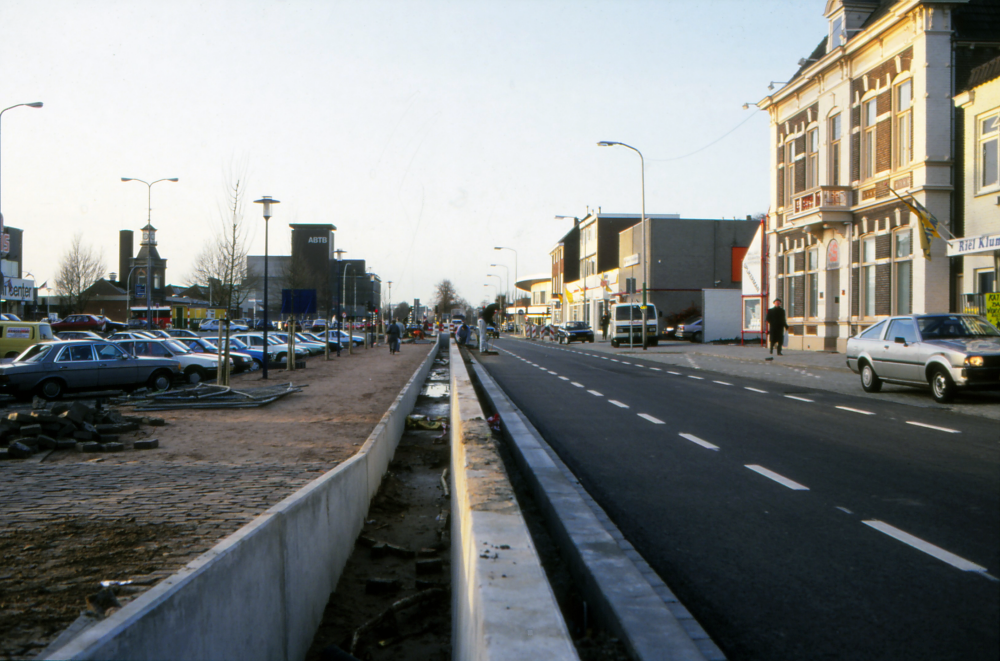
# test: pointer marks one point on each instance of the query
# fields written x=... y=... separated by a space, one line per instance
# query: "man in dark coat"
x=776 y=325
x=392 y=336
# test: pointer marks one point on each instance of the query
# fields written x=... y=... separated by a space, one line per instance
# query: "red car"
x=87 y=322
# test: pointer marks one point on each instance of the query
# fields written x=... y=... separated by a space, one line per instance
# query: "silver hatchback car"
x=947 y=352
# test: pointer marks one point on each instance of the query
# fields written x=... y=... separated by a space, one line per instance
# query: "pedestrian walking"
x=392 y=333
x=605 y=322
x=776 y=325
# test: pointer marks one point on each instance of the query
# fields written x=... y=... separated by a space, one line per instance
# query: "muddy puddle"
x=393 y=600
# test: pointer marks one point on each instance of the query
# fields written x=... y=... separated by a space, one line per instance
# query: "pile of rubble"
x=69 y=426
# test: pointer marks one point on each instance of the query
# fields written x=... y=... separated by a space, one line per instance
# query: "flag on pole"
x=928 y=223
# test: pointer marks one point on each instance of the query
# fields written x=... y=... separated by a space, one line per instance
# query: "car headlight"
x=974 y=361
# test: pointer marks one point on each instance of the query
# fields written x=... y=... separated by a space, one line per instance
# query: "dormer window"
x=836 y=34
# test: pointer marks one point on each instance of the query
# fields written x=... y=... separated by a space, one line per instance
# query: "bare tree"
x=79 y=269
x=402 y=311
x=221 y=267
x=446 y=298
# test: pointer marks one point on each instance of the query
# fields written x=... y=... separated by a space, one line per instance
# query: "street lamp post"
x=149 y=244
x=642 y=224
x=515 y=273
x=34 y=104
x=340 y=294
x=506 y=290
x=267 y=202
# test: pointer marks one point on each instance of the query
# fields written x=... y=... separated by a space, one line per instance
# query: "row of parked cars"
x=75 y=360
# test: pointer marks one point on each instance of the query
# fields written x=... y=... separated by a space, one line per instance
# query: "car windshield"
x=34 y=354
x=955 y=326
x=177 y=346
x=623 y=312
x=576 y=325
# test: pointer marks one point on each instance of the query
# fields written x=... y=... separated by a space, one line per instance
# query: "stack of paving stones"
x=76 y=427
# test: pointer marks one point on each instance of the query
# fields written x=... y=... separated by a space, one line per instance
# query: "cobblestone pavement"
x=799 y=370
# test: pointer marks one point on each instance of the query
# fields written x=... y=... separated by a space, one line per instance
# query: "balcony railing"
x=820 y=199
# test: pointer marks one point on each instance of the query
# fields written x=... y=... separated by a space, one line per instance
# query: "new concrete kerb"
x=502 y=604
x=627 y=596
x=260 y=593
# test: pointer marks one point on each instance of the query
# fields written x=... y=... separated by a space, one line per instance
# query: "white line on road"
x=656 y=369
x=801 y=399
x=618 y=404
x=595 y=393
x=578 y=385
x=754 y=389
x=655 y=421
x=722 y=383
x=848 y=408
x=695 y=439
x=551 y=372
x=780 y=479
x=926 y=547
x=626 y=363
x=945 y=429
x=674 y=373
x=692 y=376
x=564 y=378
x=615 y=360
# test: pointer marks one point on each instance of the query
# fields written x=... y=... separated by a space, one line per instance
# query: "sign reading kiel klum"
x=984 y=243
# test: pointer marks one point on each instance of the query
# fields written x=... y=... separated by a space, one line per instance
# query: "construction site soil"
x=70 y=521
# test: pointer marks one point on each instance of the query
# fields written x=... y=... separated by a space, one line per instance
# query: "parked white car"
x=278 y=349
x=212 y=325
x=196 y=367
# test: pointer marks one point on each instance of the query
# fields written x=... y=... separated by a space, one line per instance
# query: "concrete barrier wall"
x=260 y=593
x=502 y=604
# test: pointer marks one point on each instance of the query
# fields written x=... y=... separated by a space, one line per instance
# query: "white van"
x=16 y=336
x=626 y=324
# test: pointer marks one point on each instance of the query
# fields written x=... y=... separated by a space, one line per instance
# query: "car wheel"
x=869 y=379
x=51 y=389
x=942 y=387
x=255 y=365
x=160 y=381
x=195 y=375
x=591 y=340
x=614 y=344
x=696 y=338
x=281 y=358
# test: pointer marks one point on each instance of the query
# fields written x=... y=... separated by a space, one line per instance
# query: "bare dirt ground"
x=70 y=520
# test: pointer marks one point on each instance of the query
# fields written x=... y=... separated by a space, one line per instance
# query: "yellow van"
x=16 y=336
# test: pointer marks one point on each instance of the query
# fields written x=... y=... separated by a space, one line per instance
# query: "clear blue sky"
x=427 y=132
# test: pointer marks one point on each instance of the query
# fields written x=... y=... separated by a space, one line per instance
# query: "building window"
x=870 y=112
x=904 y=123
x=902 y=266
x=789 y=172
x=812 y=281
x=868 y=277
x=989 y=151
x=812 y=159
x=790 y=290
x=986 y=282
x=834 y=177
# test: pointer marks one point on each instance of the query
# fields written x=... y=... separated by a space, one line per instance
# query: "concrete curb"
x=502 y=604
x=259 y=593
x=630 y=598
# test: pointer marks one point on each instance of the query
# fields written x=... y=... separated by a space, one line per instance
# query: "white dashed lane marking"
x=695 y=439
x=564 y=378
x=674 y=373
x=692 y=376
x=848 y=408
x=722 y=383
x=655 y=421
x=755 y=389
x=595 y=393
x=926 y=547
x=801 y=399
x=578 y=385
x=618 y=404
x=926 y=426
x=780 y=479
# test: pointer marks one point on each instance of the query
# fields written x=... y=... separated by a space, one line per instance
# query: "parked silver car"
x=947 y=352
x=53 y=368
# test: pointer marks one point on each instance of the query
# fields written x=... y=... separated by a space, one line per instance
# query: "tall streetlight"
x=148 y=232
x=506 y=289
x=267 y=202
x=340 y=293
x=515 y=274
x=642 y=223
x=35 y=104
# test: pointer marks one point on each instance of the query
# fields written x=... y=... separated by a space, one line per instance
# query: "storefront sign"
x=752 y=272
x=631 y=260
x=16 y=289
x=974 y=244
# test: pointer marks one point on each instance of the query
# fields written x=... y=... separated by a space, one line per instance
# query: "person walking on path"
x=392 y=333
x=776 y=325
x=605 y=321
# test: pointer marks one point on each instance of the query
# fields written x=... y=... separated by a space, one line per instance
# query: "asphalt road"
x=793 y=523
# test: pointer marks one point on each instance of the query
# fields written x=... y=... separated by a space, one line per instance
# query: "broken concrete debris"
x=69 y=426
x=206 y=396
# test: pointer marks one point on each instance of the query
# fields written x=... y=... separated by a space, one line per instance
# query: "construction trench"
x=392 y=599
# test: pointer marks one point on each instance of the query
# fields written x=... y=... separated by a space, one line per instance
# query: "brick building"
x=869 y=113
